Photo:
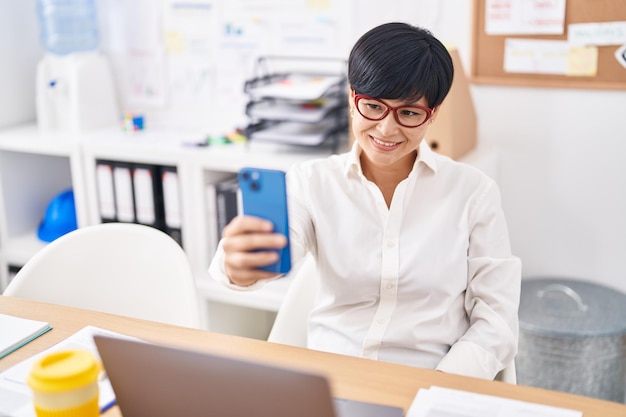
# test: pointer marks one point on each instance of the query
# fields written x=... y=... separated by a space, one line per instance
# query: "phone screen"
x=264 y=194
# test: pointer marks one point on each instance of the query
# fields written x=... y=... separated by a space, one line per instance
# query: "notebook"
x=17 y=331
x=162 y=381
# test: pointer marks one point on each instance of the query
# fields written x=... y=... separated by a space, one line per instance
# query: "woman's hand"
x=245 y=241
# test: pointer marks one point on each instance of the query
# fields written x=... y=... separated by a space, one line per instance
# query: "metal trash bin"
x=572 y=338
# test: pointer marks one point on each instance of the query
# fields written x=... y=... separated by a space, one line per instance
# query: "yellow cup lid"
x=64 y=370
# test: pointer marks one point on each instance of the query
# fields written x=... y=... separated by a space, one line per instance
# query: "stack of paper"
x=294 y=111
x=297 y=87
x=445 y=402
x=295 y=133
x=16 y=396
x=17 y=331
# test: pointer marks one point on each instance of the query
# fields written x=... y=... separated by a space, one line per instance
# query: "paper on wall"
x=536 y=56
x=582 y=61
x=599 y=34
x=536 y=17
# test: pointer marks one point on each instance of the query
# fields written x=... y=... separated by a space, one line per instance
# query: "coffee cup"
x=65 y=384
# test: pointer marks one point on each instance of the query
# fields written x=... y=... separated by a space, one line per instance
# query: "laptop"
x=161 y=381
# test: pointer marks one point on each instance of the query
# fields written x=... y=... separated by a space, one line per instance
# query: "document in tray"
x=309 y=112
x=16 y=332
x=16 y=396
x=445 y=402
x=294 y=133
x=297 y=87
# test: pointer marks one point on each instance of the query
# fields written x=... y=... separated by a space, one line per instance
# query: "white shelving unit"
x=33 y=169
x=35 y=166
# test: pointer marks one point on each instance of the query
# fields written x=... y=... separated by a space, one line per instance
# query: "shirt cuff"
x=469 y=359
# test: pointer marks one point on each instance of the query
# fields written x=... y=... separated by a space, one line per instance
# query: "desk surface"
x=350 y=377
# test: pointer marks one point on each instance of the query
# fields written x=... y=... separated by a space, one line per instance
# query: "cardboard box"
x=454 y=131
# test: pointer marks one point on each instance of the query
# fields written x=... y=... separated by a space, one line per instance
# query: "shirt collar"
x=354 y=161
x=426 y=155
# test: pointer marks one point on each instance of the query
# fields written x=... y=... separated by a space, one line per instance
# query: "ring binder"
x=145 y=196
x=124 y=200
x=171 y=203
x=106 y=191
x=140 y=193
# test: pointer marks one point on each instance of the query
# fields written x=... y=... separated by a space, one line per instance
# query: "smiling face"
x=385 y=143
x=404 y=66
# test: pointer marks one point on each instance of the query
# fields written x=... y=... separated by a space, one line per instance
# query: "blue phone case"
x=263 y=194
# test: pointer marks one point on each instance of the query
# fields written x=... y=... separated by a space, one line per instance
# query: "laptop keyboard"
x=353 y=408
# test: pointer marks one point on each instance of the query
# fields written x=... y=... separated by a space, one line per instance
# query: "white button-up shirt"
x=428 y=282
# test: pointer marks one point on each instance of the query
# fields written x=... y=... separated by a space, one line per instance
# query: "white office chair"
x=291 y=324
x=120 y=268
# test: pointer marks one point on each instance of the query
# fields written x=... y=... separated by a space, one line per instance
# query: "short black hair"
x=401 y=62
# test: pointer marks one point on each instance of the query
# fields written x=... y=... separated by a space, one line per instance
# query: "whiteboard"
x=183 y=64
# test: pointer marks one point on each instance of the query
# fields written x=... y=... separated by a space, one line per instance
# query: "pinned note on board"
x=582 y=61
x=517 y=17
x=583 y=56
x=597 y=33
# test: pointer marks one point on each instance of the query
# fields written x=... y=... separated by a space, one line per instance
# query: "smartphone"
x=264 y=194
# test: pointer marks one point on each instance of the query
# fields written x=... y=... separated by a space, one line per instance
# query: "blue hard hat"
x=60 y=217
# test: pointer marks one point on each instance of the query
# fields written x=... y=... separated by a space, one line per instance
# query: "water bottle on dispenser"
x=75 y=88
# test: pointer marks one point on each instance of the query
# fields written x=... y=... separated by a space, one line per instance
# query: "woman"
x=412 y=247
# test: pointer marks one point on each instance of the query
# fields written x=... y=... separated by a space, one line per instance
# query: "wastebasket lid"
x=569 y=307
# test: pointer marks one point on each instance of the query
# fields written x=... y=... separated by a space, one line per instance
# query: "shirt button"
x=391 y=244
x=380 y=321
x=389 y=286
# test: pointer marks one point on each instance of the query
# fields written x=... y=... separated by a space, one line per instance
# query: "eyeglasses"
x=408 y=116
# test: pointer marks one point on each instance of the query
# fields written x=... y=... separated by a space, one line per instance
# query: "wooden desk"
x=350 y=377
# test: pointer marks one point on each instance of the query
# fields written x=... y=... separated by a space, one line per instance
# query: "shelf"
x=29 y=139
x=19 y=249
x=268 y=298
x=231 y=158
x=163 y=147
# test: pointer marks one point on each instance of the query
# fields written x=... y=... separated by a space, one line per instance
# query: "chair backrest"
x=119 y=268
x=291 y=324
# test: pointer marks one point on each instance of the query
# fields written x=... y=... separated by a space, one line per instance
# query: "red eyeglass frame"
x=429 y=111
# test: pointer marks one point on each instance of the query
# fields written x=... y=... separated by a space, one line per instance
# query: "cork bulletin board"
x=487 y=52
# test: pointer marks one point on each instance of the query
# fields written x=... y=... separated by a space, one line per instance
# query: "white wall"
x=19 y=53
x=562 y=176
x=561 y=173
